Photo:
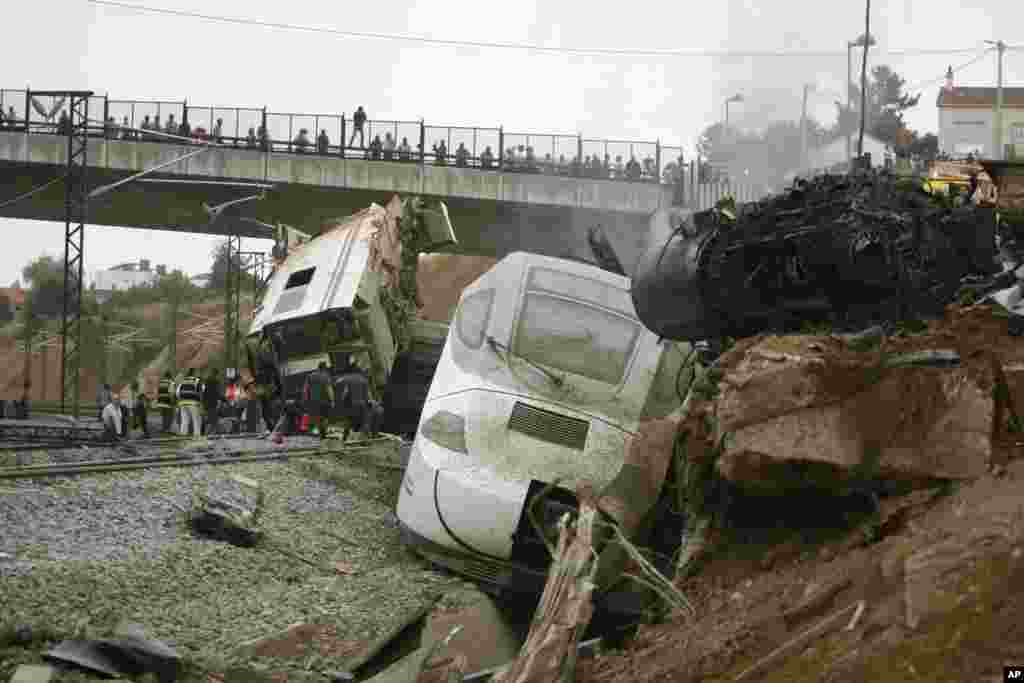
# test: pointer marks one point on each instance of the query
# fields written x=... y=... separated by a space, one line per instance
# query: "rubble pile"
x=830 y=410
x=850 y=250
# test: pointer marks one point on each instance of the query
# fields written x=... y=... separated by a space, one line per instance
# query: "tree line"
x=767 y=155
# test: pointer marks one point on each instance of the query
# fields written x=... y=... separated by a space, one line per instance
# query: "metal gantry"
x=76 y=202
x=234 y=299
x=256 y=263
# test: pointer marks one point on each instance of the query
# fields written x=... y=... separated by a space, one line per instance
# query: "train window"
x=300 y=278
x=473 y=316
x=575 y=337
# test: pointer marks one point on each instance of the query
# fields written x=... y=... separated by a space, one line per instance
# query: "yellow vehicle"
x=943 y=175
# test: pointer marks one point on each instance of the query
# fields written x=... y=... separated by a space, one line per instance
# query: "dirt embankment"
x=800 y=589
x=44 y=373
x=200 y=343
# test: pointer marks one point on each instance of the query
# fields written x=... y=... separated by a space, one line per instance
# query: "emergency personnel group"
x=193 y=406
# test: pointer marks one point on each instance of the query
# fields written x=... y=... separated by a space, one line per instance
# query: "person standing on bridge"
x=358 y=121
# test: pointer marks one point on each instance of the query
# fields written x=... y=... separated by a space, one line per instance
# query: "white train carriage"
x=545 y=375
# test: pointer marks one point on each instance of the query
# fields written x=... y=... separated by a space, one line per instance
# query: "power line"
x=917 y=88
x=606 y=52
x=33 y=191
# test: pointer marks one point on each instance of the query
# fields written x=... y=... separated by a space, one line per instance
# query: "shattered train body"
x=850 y=250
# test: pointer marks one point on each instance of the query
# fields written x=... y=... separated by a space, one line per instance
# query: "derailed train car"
x=326 y=302
x=545 y=376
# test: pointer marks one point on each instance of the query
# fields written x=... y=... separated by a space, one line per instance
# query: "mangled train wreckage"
x=543 y=375
x=851 y=250
x=549 y=365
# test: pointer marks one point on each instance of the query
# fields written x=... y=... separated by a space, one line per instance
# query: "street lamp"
x=997 y=132
x=808 y=88
x=735 y=98
x=865 y=41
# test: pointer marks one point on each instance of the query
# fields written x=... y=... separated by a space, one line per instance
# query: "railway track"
x=45 y=442
x=192 y=458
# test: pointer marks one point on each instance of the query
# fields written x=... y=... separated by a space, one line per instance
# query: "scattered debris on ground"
x=128 y=653
x=231 y=514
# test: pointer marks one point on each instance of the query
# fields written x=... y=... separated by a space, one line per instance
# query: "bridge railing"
x=335 y=134
x=539 y=152
x=141 y=112
x=473 y=141
x=13 y=100
x=235 y=123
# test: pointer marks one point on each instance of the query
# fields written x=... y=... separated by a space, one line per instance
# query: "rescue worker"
x=189 y=395
x=269 y=388
x=213 y=395
x=353 y=397
x=111 y=418
x=127 y=405
x=319 y=394
x=140 y=409
x=165 y=400
x=103 y=396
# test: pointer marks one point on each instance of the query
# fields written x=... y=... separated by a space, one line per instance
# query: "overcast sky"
x=138 y=55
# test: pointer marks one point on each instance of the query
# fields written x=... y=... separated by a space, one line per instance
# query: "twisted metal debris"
x=848 y=250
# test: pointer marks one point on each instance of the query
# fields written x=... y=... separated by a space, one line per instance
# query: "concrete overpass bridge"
x=494 y=211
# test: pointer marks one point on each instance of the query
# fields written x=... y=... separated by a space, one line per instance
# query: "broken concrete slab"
x=785 y=403
x=33 y=674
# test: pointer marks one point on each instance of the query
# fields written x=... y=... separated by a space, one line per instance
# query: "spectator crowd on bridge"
x=518 y=158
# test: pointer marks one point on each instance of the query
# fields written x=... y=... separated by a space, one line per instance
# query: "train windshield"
x=302 y=337
x=592 y=337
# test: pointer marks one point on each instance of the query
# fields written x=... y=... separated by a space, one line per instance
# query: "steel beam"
x=232 y=307
x=76 y=201
x=255 y=265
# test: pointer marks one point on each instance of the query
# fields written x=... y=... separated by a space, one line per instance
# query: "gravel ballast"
x=85 y=552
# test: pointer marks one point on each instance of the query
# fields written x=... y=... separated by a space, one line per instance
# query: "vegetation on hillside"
x=124 y=331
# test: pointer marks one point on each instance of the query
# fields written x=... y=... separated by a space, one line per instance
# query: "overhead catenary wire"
x=34 y=191
x=532 y=47
x=918 y=87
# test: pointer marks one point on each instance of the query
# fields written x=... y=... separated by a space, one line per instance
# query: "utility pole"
x=997 y=119
x=803 y=129
x=862 y=41
x=172 y=345
x=849 y=95
x=864 y=78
